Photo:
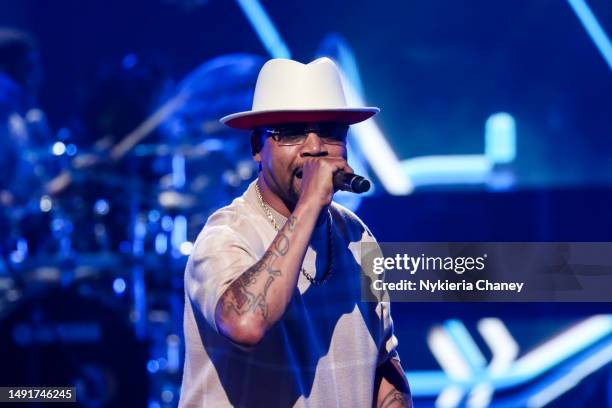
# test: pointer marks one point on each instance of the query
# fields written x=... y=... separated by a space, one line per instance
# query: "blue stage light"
x=540 y=360
x=58 y=148
x=500 y=138
x=264 y=28
x=101 y=207
x=466 y=344
x=153 y=366
x=593 y=28
x=119 y=285
x=71 y=150
x=450 y=169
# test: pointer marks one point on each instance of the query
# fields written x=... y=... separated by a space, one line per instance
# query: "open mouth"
x=298 y=173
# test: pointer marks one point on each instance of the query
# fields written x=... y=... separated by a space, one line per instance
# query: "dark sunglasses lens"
x=291 y=138
x=296 y=134
x=292 y=131
x=334 y=134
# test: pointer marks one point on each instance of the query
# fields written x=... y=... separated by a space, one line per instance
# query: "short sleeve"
x=219 y=257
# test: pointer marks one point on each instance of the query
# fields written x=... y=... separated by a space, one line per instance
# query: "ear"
x=256 y=146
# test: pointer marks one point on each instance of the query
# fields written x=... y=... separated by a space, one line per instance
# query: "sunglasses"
x=296 y=133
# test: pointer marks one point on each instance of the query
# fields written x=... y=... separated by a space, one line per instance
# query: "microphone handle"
x=351 y=182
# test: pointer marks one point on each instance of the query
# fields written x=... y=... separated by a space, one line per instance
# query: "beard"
x=287 y=190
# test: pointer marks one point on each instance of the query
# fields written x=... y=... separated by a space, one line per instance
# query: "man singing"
x=273 y=316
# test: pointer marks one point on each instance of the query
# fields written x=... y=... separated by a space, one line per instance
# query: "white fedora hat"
x=288 y=91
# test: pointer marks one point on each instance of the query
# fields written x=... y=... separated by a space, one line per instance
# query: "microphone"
x=351 y=182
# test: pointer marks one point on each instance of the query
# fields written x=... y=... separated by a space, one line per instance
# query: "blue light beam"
x=593 y=28
x=264 y=28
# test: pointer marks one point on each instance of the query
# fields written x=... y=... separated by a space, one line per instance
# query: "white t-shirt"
x=325 y=349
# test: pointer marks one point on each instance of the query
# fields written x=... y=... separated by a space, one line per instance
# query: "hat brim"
x=253 y=119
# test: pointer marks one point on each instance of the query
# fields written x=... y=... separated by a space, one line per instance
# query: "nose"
x=313 y=146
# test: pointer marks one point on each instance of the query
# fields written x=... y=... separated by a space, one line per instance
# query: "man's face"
x=282 y=158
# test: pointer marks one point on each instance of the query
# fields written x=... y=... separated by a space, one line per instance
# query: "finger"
x=348 y=169
x=338 y=163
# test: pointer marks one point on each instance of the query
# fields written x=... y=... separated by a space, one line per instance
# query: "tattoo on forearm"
x=394 y=399
x=270 y=268
x=240 y=298
x=291 y=221
x=261 y=302
x=282 y=244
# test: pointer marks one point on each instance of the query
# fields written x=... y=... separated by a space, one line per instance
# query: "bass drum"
x=63 y=338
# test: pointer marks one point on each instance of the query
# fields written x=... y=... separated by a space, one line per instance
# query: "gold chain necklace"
x=330 y=242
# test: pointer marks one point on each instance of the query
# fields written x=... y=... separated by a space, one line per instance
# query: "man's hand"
x=317 y=179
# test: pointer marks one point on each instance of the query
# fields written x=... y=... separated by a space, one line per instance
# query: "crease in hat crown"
x=288 y=90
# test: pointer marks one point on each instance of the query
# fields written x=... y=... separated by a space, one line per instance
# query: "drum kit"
x=91 y=265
